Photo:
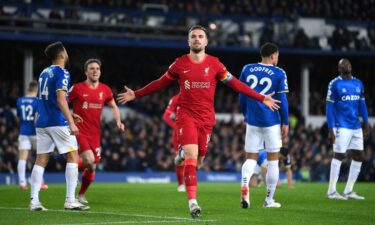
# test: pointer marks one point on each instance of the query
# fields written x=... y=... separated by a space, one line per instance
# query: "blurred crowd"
x=342 y=9
x=279 y=21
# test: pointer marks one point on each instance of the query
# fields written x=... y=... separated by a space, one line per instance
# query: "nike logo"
x=185 y=71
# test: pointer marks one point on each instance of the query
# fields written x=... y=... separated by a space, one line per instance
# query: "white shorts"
x=26 y=142
x=258 y=138
x=50 y=137
x=346 y=139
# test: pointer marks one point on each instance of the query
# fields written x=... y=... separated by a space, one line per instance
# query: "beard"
x=196 y=50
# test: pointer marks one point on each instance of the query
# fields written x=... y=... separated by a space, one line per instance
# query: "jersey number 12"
x=27 y=112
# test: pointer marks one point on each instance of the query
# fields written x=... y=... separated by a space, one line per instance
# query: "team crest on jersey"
x=101 y=95
x=358 y=89
x=187 y=84
x=85 y=105
x=206 y=71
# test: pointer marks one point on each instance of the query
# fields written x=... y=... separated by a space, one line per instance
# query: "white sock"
x=71 y=176
x=247 y=171
x=21 y=168
x=192 y=201
x=355 y=168
x=272 y=177
x=36 y=181
x=334 y=175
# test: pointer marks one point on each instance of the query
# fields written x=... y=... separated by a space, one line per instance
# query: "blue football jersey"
x=345 y=96
x=264 y=79
x=51 y=80
x=26 y=109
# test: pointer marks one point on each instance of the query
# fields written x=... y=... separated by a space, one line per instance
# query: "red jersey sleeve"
x=72 y=93
x=109 y=94
x=221 y=70
x=174 y=70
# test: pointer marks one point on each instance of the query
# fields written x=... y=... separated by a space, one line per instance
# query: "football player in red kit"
x=169 y=117
x=197 y=74
x=88 y=98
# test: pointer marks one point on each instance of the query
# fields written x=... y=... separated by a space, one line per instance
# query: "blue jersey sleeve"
x=362 y=105
x=329 y=115
x=63 y=80
x=282 y=86
x=331 y=98
x=284 y=108
x=331 y=94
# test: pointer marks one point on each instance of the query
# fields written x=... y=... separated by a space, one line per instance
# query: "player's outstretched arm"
x=156 y=85
x=116 y=115
x=126 y=96
x=242 y=88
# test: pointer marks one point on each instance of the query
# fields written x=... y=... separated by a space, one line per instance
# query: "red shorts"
x=189 y=132
x=86 y=143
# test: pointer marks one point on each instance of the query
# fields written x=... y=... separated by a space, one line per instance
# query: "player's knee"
x=42 y=160
x=339 y=156
x=91 y=167
x=72 y=157
x=191 y=162
x=358 y=156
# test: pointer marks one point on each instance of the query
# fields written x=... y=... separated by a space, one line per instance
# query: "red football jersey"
x=170 y=112
x=88 y=103
x=197 y=86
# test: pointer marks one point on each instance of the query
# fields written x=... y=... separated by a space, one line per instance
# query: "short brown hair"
x=198 y=27
x=33 y=86
x=89 y=61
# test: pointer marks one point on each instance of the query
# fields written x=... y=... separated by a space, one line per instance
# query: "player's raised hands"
x=126 y=96
x=270 y=102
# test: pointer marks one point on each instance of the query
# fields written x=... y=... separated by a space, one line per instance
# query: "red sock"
x=180 y=174
x=87 y=178
x=190 y=176
x=80 y=165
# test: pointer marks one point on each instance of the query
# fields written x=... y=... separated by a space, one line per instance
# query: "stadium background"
x=137 y=41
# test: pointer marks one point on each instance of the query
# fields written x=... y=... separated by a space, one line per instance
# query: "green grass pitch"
x=117 y=203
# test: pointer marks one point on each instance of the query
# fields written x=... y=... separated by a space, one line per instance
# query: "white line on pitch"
x=114 y=214
x=137 y=222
